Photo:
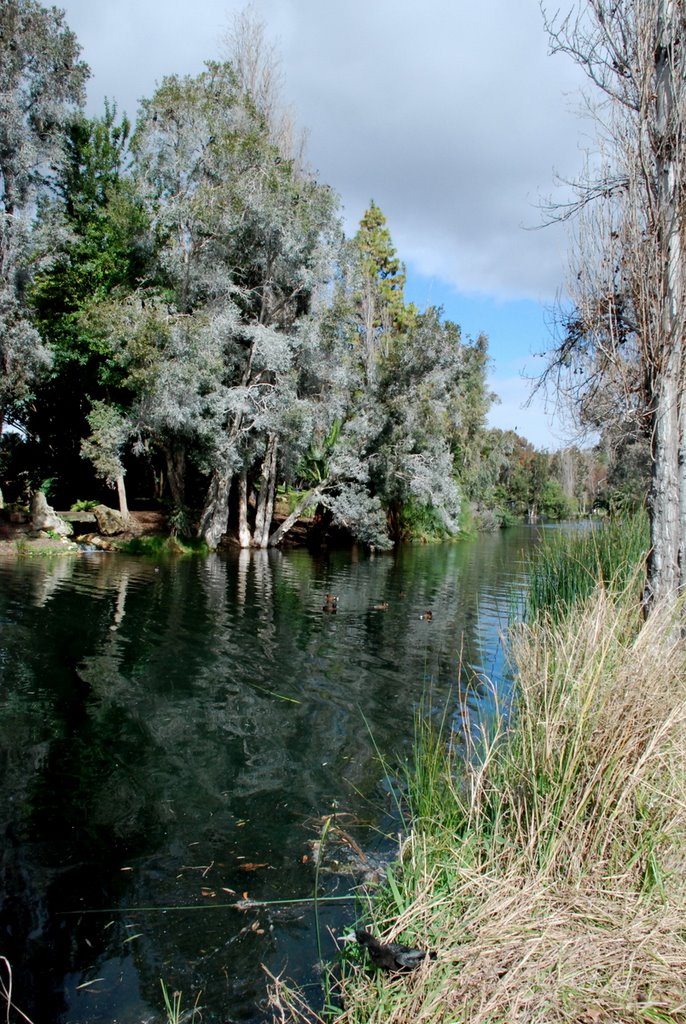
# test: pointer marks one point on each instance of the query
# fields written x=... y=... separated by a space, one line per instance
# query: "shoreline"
x=21 y=540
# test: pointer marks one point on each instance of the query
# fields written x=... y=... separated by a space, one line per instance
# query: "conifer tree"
x=379 y=297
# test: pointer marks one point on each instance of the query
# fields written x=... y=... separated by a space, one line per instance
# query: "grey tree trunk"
x=244 y=537
x=665 y=564
x=175 y=457
x=265 y=504
x=682 y=489
x=663 y=560
x=215 y=516
x=292 y=519
x=121 y=495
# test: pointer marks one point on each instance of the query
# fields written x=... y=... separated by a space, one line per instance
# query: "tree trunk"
x=244 y=537
x=215 y=515
x=121 y=494
x=667 y=512
x=682 y=490
x=175 y=456
x=265 y=503
x=665 y=540
x=292 y=519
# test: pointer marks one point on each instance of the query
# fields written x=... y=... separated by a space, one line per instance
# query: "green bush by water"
x=157 y=547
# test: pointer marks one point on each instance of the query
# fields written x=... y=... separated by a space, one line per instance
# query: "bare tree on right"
x=622 y=352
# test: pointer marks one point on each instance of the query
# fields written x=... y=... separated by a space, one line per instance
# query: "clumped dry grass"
x=549 y=875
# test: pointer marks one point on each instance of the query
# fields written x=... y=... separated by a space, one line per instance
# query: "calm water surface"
x=173 y=735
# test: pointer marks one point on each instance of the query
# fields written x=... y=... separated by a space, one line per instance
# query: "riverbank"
x=18 y=538
x=548 y=874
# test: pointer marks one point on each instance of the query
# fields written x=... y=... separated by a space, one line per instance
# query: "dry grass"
x=549 y=875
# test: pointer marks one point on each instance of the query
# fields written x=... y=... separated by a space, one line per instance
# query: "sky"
x=451 y=115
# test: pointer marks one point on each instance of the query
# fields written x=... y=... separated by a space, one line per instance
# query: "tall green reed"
x=568 y=566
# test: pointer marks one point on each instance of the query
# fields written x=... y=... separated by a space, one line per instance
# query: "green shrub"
x=421 y=523
x=157 y=547
x=86 y=505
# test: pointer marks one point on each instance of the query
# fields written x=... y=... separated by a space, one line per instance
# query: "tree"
x=245 y=243
x=392 y=453
x=110 y=429
x=627 y=332
x=469 y=439
x=41 y=83
x=257 y=70
x=408 y=389
x=415 y=395
x=379 y=288
x=90 y=241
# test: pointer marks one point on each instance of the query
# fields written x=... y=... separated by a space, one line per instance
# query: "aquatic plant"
x=567 y=566
x=172 y=1006
x=6 y=992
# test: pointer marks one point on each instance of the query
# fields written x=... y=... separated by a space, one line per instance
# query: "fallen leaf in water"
x=126 y=869
x=304 y=859
x=231 y=891
x=245 y=896
x=252 y=867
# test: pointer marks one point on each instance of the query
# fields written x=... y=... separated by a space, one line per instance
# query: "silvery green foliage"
x=417 y=388
x=394 y=444
x=41 y=83
x=176 y=363
x=359 y=512
x=246 y=244
x=22 y=355
x=110 y=430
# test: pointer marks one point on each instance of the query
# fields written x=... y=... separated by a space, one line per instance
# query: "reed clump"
x=568 y=566
x=548 y=872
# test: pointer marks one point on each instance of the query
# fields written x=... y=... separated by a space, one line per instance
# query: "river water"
x=174 y=736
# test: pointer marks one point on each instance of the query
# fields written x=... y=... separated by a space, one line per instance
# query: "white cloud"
x=451 y=116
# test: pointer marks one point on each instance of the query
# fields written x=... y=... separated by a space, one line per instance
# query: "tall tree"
x=629 y=326
x=393 y=447
x=246 y=242
x=379 y=290
x=258 y=73
x=90 y=240
x=41 y=83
